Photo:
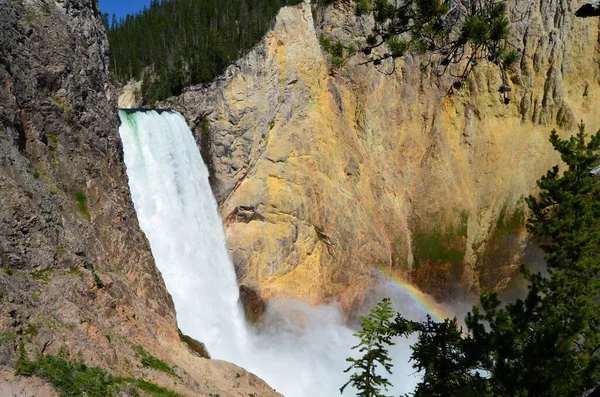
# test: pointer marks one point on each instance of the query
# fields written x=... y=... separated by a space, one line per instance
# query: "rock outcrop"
x=324 y=174
x=76 y=271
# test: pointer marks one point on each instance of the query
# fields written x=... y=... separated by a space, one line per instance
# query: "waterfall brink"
x=301 y=351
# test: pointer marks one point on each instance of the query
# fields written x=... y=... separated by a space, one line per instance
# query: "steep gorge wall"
x=75 y=269
x=325 y=174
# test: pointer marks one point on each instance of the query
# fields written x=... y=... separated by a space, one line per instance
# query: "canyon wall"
x=325 y=174
x=76 y=271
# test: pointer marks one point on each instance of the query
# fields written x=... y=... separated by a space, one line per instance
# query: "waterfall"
x=179 y=215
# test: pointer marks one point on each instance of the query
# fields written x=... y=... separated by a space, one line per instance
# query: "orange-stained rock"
x=323 y=176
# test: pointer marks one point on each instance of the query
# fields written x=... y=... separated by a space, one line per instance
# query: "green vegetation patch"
x=53 y=139
x=442 y=244
x=150 y=361
x=508 y=224
x=31 y=330
x=7 y=270
x=75 y=379
x=98 y=281
x=64 y=105
x=339 y=53
x=325 y=42
x=68 y=378
x=82 y=204
x=439 y=253
x=42 y=275
x=204 y=127
x=7 y=337
x=152 y=389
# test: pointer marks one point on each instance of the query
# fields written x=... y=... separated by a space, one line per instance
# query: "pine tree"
x=452 y=36
x=375 y=335
x=186 y=42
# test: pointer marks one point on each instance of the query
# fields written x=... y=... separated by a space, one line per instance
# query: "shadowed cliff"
x=76 y=272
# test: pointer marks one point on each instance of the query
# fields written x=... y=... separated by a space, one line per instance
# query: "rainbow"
x=422 y=301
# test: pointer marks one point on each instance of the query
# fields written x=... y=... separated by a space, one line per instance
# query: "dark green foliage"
x=463 y=34
x=363 y=7
x=82 y=204
x=509 y=58
x=499 y=28
x=436 y=246
x=42 y=275
x=351 y=49
x=441 y=245
x=547 y=343
x=150 y=388
x=98 y=281
x=186 y=41
x=23 y=366
x=149 y=361
x=7 y=337
x=374 y=337
x=397 y=47
x=325 y=42
x=337 y=61
x=75 y=379
x=31 y=330
x=204 y=127
x=337 y=50
x=445 y=358
x=337 y=54
x=69 y=378
x=567 y=210
x=476 y=29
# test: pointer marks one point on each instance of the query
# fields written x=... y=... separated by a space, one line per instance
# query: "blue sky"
x=122 y=7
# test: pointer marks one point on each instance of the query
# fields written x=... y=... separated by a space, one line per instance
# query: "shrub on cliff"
x=544 y=345
x=74 y=378
x=452 y=37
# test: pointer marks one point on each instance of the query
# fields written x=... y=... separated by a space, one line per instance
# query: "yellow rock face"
x=324 y=175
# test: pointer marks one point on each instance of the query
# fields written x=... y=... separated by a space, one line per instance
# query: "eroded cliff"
x=76 y=272
x=324 y=174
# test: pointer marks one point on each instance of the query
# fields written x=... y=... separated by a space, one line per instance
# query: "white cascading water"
x=179 y=215
x=177 y=212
